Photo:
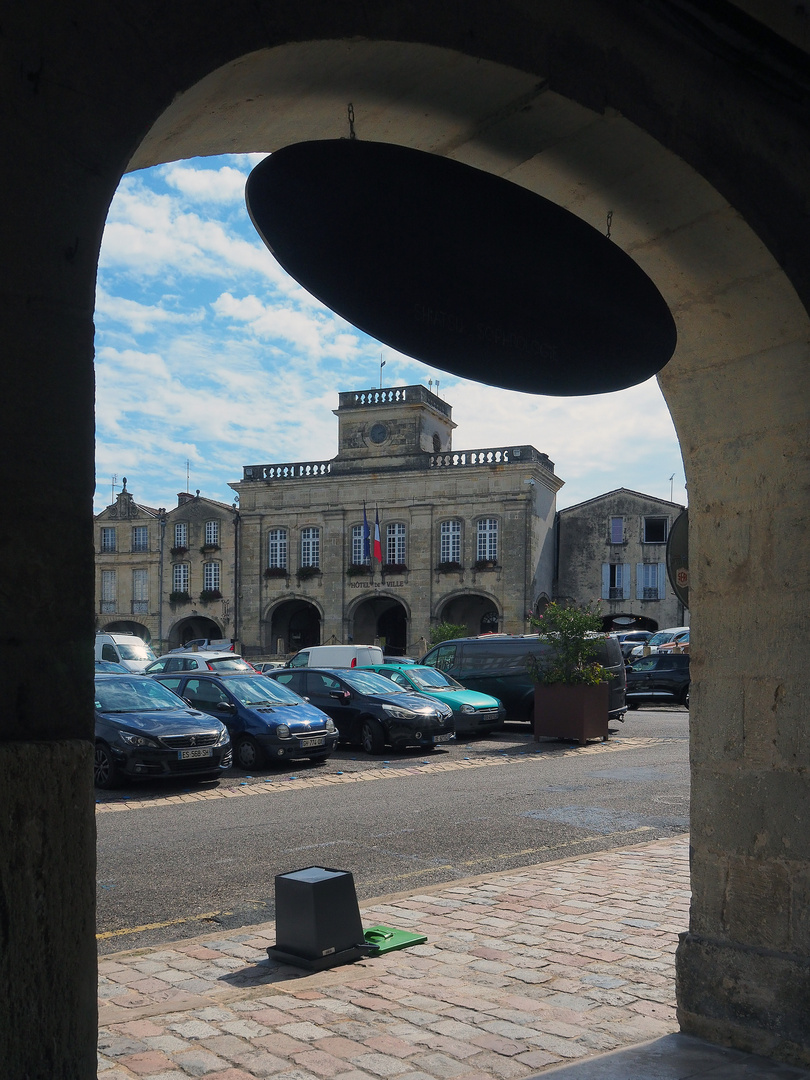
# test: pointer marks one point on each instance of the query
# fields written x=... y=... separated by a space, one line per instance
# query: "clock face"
x=378 y=433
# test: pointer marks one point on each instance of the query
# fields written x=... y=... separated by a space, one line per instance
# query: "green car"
x=473 y=713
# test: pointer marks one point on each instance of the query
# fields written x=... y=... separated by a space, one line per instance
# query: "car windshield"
x=255 y=690
x=134 y=693
x=661 y=638
x=428 y=678
x=369 y=682
x=135 y=652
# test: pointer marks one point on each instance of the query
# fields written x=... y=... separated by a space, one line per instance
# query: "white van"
x=338 y=656
x=126 y=649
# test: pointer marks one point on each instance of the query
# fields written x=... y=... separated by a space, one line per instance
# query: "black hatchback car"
x=368 y=709
x=144 y=730
x=660 y=677
x=268 y=722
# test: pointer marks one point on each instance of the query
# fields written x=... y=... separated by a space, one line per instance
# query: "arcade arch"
x=380 y=620
x=193 y=626
x=477 y=611
x=290 y=625
x=568 y=100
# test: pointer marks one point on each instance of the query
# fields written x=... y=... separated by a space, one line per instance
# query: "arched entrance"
x=570 y=101
x=195 y=626
x=292 y=625
x=383 y=621
x=478 y=612
x=125 y=626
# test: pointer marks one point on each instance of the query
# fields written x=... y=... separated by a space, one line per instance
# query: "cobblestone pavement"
x=521 y=972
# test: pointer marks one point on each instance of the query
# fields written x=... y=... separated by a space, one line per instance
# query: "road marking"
x=159 y=925
x=277 y=785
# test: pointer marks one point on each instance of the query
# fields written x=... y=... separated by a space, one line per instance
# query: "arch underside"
x=693 y=138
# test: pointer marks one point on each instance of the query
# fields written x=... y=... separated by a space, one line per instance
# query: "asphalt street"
x=175 y=861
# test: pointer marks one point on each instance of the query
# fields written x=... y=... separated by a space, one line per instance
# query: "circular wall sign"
x=461 y=269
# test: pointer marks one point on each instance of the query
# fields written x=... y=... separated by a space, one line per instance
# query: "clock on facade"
x=378 y=433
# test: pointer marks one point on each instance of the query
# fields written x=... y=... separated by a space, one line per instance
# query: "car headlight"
x=401 y=713
x=330 y=725
x=224 y=737
x=282 y=731
x=137 y=740
x=466 y=709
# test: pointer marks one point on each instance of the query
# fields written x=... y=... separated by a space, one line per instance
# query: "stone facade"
x=466 y=536
x=612 y=549
x=167 y=576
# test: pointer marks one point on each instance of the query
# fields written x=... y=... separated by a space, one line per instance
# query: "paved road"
x=175 y=862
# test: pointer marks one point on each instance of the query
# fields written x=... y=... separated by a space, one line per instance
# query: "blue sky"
x=208 y=353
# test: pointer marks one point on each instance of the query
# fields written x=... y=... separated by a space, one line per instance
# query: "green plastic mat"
x=386 y=938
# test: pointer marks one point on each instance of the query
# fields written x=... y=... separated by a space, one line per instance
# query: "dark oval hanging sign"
x=460 y=269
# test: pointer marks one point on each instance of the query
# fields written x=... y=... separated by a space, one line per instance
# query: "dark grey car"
x=661 y=677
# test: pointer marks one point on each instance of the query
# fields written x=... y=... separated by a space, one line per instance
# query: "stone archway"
x=292 y=625
x=194 y=626
x=478 y=612
x=380 y=620
x=605 y=108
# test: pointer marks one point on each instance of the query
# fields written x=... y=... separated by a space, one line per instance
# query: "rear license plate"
x=443 y=738
x=306 y=743
x=197 y=751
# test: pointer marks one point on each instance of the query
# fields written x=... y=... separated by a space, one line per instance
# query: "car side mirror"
x=225 y=706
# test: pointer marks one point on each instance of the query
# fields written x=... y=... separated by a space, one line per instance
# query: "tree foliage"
x=572 y=634
x=445 y=631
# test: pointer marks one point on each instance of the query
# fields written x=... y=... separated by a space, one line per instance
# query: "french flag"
x=377 y=541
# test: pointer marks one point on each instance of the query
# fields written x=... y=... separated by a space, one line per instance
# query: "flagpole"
x=382 y=365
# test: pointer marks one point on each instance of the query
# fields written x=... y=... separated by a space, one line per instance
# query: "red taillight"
x=209 y=666
x=354 y=662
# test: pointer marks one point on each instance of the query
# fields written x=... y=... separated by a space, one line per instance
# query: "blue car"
x=144 y=731
x=267 y=721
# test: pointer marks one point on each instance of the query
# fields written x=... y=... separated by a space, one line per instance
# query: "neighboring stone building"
x=466 y=536
x=613 y=549
x=167 y=576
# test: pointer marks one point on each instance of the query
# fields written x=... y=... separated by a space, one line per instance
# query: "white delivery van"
x=338 y=656
x=126 y=649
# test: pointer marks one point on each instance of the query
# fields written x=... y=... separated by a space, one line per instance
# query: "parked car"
x=198 y=661
x=473 y=713
x=628 y=639
x=498 y=664
x=679 y=644
x=369 y=710
x=268 y=722
x=268 y=665
x=337 y=656
x=215 y=644
x=126 y=649
x=660 y=677
x=143 y=730
x=661 y=637
x=109 y=667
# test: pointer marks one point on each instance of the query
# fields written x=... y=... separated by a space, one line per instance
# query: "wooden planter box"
x=578 y=713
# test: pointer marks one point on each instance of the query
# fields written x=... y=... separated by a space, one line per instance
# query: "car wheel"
x=246 y=754
x=685 y=697
x=372 y=737
x=632 y=704
x=105 y=773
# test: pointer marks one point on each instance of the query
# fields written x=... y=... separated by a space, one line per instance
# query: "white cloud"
x=224 y=185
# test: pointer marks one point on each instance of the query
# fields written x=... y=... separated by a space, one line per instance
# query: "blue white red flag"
x=377 y=541
x=366 y=537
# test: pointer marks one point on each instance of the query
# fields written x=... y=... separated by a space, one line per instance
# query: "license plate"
x=306 y=743
x=443 y=738
x=197 y=751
